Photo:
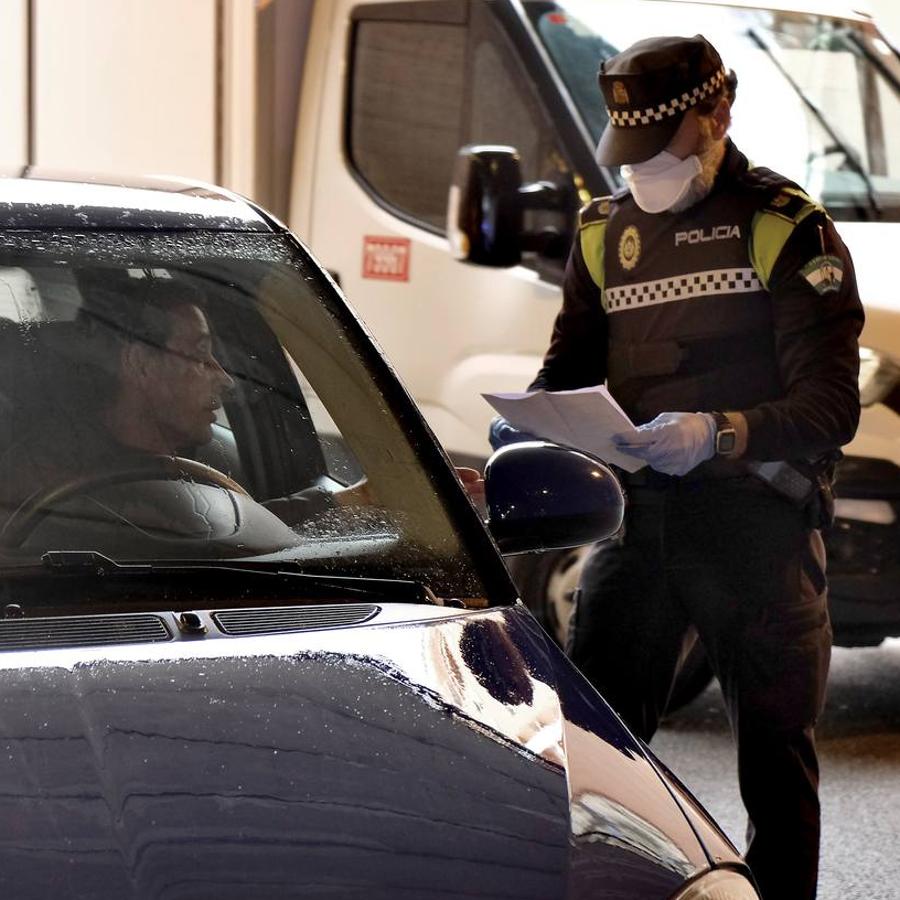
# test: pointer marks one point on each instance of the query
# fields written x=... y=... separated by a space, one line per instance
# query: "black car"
x=256 y=639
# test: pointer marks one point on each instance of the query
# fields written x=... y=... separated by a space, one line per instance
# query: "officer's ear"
x=720 y=118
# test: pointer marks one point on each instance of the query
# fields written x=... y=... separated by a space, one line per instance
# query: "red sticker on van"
x=386 y=258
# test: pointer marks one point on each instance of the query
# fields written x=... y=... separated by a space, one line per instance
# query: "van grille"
x=81 y=631
x=274 y=619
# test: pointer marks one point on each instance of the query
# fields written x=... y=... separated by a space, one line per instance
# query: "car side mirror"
x=541 y=496
x=487 y=204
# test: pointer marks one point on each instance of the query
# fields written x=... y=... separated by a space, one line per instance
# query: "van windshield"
x=817 y=96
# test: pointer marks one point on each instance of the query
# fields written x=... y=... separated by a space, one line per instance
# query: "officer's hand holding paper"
x=673 y=443
x=586 y=419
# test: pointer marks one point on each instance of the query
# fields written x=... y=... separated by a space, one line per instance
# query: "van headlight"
x=879 y=376
x=719 y=884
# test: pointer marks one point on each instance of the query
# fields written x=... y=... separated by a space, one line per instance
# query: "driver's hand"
x=472 y=481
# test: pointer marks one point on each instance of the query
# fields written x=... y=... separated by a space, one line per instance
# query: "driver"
x=169 y=383
x=134 y=377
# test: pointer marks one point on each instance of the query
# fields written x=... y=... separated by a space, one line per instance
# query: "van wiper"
x=813 y=107
x=232 y=575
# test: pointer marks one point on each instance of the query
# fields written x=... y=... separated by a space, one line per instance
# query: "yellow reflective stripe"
x=592 y=239
x=768 y=235
x=769 y=232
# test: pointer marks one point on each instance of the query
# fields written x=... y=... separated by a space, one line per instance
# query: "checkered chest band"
x=718 y=282
x=629 y=117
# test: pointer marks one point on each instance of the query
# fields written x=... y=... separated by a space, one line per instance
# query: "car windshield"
x=817 y=96
x=209 y=397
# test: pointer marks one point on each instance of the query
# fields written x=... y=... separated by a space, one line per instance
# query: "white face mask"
x=664 y=182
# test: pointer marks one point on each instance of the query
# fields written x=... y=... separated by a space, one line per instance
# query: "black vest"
x=689 y=320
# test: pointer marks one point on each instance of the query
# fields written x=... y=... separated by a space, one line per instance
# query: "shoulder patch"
x=824 y=273
x=595 y=211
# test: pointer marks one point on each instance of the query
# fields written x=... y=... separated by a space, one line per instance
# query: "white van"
x=391 y=91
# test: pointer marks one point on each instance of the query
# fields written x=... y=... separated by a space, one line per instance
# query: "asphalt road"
x=859 y=749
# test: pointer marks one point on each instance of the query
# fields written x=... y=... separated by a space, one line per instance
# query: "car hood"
x=458 y=754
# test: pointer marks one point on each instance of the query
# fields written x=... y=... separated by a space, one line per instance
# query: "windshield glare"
x=817 y=96
x=203 y=397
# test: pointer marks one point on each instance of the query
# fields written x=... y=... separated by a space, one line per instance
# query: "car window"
x=212 y=398
x=337 y=456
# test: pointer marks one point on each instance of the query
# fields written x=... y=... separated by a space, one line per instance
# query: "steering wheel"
x=155 y=468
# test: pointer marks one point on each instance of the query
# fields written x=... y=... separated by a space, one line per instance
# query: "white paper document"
x=585 y=419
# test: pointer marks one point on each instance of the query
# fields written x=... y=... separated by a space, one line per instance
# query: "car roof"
x=35 y=198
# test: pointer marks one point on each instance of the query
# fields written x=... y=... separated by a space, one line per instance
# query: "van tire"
x=546 y=584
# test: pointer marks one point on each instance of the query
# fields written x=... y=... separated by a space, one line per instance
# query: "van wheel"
x=546 y=583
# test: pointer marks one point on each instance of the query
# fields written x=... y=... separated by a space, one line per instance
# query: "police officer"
x=720 y=306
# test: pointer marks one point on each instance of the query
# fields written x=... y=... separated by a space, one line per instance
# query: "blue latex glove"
x=673 y=443
x=502 y=433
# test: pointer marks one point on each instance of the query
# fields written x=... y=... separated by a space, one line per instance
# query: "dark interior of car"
x=56 y=376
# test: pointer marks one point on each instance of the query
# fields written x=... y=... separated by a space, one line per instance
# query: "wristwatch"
x=726 y=438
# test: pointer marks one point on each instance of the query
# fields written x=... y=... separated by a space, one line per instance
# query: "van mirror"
x=541 y=496
x=484 y=212
x=487 y=204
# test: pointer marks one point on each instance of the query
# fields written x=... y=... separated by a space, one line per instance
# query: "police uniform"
x=744 y=302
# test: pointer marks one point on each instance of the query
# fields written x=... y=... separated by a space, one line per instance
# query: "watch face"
x=725 y=441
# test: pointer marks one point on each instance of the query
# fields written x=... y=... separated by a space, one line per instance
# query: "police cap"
x=648 y=88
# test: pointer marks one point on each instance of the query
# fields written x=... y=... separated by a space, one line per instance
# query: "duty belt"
x=799 y=482
x=715 y=469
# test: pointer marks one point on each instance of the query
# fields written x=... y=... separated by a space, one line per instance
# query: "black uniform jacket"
x=745 y=302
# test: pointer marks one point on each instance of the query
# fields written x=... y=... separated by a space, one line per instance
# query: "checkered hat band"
x=680 y=287
x=629 y=117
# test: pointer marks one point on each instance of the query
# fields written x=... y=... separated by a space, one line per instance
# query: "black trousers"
x=740 y=565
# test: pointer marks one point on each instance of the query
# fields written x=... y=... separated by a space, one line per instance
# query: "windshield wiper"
x=872 y=58
x=231 y=576
x=813 y=107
